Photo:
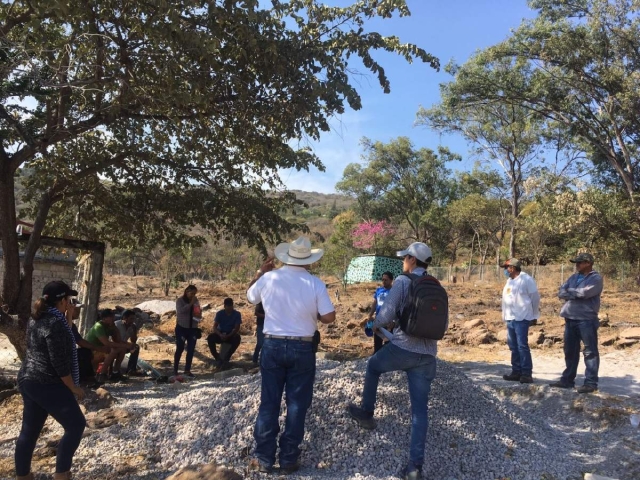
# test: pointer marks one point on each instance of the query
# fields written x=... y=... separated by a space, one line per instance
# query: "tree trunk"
x=515 y=204
x=10 y=249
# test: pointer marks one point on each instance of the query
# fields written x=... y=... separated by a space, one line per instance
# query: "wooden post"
x=89 y=289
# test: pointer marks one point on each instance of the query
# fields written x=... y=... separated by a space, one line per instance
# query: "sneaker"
x=116 y=377
x=364 y=419
x=526 y=379
x=289 y=469
x=101 y=378
x=258 y=466
x=560 y=384
x=512 y=377
x=587 y=389
x=411 y=472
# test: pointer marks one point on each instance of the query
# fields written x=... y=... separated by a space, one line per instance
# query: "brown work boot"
x=512 y=377
x=28 y=476
x=62 y=476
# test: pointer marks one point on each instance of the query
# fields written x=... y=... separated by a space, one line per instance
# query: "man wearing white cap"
x=294 y=301
x=416 y=356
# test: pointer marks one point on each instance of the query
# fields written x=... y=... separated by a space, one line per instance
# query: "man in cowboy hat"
x=581 y=293
x=294 y=300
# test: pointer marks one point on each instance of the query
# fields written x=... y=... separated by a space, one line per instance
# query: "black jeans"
x=133 y=360
x=40 y=401
x=183 y=335
x=214 y=339
x=84 y=363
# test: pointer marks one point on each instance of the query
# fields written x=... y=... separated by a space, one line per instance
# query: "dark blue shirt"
x=226 y=323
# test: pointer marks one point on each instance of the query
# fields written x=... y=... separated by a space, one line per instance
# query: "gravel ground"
x=476 y=431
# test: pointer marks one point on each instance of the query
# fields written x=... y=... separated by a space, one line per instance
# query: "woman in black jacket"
x=48 y=381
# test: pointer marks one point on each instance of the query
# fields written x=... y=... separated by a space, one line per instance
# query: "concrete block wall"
x=46 y=271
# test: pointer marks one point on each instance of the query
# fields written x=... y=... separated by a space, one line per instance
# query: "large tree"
x=585 y=61
x=400 y=183
x=135 y=121
x=497 y=131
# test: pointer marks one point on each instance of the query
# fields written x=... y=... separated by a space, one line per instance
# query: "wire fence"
x=620 y=276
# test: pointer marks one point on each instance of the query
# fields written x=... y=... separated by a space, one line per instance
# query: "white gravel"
x=474 y=433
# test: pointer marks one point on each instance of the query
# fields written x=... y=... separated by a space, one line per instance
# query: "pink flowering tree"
x=373 y=237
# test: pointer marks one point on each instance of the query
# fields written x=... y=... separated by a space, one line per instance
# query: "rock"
x=593 y=476
x=476 y=322
x=547 y=343
x=480 y=336
x=502 y=335
x=160 y=307
x=608 y=341
x=234 y=372
x=107 y=417
x=149 y=340
x=205 y=472
x=352 y=325
x=627 y=342
x=98 y=399
x=630 y=333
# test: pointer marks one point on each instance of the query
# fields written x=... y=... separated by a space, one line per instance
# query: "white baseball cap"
x=417 y=249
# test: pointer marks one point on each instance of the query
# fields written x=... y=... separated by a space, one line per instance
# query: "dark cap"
x=128 y=313
x=106 y=313
x=583 y=257
x=512 y=262
x=57 y=290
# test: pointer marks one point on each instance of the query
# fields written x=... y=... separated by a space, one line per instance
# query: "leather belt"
x=284 y=337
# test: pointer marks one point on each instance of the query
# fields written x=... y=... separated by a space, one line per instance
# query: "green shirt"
x=98 y=330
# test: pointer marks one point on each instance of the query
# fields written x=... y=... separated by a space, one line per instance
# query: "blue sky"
x=452 y=29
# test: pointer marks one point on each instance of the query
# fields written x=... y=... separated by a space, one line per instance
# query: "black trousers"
x=213 y=339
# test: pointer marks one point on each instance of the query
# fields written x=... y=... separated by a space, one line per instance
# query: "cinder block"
x=234 y=372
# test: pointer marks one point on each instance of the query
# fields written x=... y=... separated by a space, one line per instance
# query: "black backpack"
x=426 y=308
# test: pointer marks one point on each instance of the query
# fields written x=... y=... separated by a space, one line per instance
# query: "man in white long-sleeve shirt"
x=520 y=307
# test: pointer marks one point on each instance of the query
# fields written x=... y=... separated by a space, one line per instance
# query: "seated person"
x=85 y=349
x=128 y=332
x=99 y=336
x=225 y=330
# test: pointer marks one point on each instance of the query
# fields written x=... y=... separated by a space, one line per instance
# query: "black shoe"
x=560 y=385
x=189 y=374
x=411 y=472
x=587 y=389
x=526 y=379
x=364 y=419
x=512 y=377
x=258 y=466
x=289 y=469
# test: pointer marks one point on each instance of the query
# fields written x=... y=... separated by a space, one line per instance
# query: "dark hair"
x=127 y=313
x=517 y=269
x=228 y=301
x=425 y=264
x=190 y=288
x=388 y=274
x=106 y=313
x=42 y=304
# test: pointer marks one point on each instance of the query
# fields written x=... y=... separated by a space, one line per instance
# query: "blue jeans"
x=587 y=332
x=183 y=335
x=289 y=366
x=518 y=341
x=40 y=401
x=259 y=342
x=421 y=370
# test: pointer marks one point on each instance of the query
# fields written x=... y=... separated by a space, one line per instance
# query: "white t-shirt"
x=126 y=332
x=520 y=299
x=292 y=299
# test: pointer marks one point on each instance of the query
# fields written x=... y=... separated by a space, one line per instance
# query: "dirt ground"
x=476 y=331
x=476 y=340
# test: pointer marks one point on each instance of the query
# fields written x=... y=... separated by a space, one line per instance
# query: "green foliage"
x=402 y=185
x=140 y=121
x=339 y=248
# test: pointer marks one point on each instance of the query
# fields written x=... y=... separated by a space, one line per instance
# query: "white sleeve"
x=323 y=301
x=254 y=293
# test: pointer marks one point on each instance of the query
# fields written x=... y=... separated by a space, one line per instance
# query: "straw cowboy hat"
x=298 y=252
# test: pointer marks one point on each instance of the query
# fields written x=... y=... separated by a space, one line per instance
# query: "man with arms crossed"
x=294 y=301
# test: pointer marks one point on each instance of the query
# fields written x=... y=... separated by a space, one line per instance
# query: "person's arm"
x=216 y=327
x=592 y=287
x=266 y=266
x=372 y=308
x=326 y=311
x=77 y=391
x=562 y=292
x=392 y=303
x=236 y=327
x=84 y=344
x=182 y=307
x=534 y=295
